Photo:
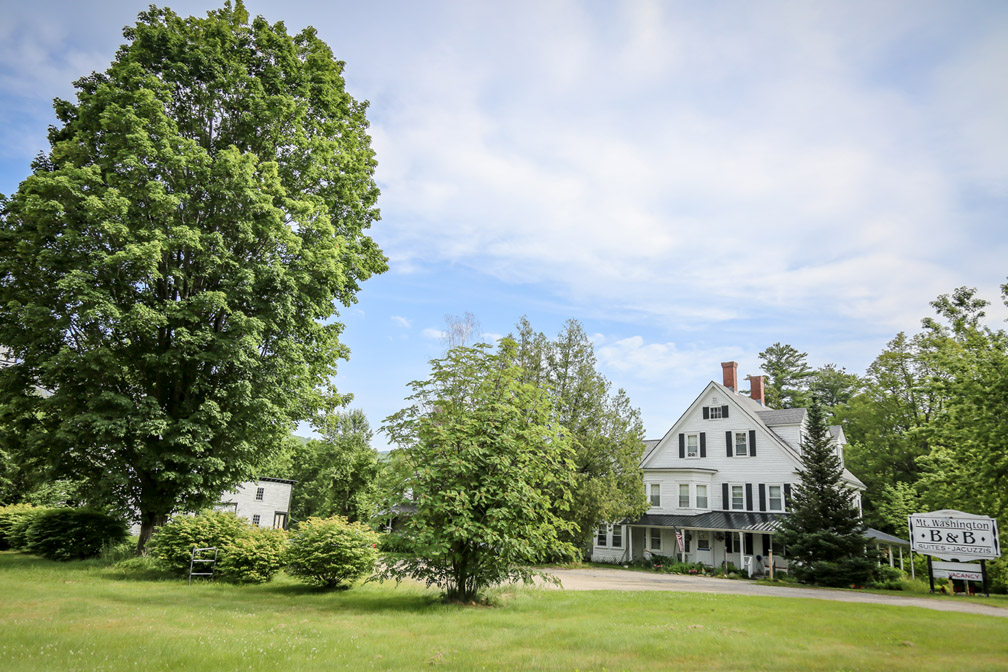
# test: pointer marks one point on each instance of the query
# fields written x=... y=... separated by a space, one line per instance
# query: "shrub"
x=72 y=534
x=848 y=572
x=9 y=516
x=331 y=552
x=172 y=543
x=254 y=557
x=18 y=531
x=885 y=577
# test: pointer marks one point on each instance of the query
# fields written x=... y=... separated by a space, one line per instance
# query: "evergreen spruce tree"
x=823 y=533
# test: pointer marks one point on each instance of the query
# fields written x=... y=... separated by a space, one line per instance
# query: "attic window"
x=715 y=412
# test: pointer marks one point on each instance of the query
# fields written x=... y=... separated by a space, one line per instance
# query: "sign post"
x=954 y=535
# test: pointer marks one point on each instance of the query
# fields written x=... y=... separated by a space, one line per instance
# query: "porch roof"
x=745 y=521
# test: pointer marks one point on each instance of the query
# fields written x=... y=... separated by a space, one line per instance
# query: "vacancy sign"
x=954 y=535
x=958 y=570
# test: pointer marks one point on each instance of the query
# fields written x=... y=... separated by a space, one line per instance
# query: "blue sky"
x=692 y=181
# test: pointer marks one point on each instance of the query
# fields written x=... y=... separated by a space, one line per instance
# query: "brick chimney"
x=756 y=389
x=730 y=370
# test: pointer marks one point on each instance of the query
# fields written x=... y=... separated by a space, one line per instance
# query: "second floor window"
x=737 y=498
x=655 y=494
x=701 y=496
x=259 y=494
x=741 y=444
x=684 y=495
x=774 y=499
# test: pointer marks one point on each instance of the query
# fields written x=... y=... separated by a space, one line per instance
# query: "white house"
x=264 y=502
x=719 y=480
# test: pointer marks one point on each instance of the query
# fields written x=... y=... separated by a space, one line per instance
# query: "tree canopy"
x=488 y=469
x=170 y=270
x=604 y=429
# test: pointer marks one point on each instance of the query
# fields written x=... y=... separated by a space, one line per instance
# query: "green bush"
x=885 y=577
x=72 y=534
x=10 y=515
x=254 y=557
x=851 y=572
x=331 y=552
x=17 y=533
x=172 y=543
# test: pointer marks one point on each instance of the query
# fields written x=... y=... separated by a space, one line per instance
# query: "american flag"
x=678 y=539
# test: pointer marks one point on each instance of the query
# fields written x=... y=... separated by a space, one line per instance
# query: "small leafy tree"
x=823 y=532
x=172 y=543
x=331 y=552
x=484 y=460
x=255 y=556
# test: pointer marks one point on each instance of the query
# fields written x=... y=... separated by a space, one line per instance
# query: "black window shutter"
x=752 y=443
x=725 y=502
x=787 y=496
x=728 y=542
x=703 y=444
x=762 y=496
x=766 y=546
x=748 y=543
x=686 y=542
x=682 y=446
x=706 y=413
x=748 y=496
x=727 y=440
x=724 y=411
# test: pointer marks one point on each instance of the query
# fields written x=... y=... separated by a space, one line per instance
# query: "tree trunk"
x=148 y=522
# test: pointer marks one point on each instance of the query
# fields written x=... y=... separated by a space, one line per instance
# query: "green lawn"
x=79 y=616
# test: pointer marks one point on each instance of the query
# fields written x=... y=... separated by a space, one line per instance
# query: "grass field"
x=80 y=616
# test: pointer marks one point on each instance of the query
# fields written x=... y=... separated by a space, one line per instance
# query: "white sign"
x=957 y=570
x=954 y=535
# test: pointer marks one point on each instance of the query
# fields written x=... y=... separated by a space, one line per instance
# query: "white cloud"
x=433 y=334
x=401 y=321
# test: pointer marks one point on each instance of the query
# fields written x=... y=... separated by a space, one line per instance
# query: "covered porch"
x=720 y=539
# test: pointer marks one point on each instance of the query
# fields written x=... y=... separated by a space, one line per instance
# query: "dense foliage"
x=336 y=475
x=255 y=556
x=10 y=517
x=604 y=430
x=823 y=533
x=73 y=534
x=170 y=270
x=488 y=467
x=331 y=552
x=172 y=543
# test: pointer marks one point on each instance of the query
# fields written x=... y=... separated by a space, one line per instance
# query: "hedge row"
x=59 y=534
x=324 y=552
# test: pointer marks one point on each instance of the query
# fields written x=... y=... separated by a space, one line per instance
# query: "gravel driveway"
x=615 y=579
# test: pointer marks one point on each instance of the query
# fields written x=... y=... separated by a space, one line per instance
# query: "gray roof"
x=784 y=416
x=885 y=538
x=649 y=445
x=738 y=521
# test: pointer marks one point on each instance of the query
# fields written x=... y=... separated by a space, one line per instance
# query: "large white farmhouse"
x=721 y=478
x=264 y=502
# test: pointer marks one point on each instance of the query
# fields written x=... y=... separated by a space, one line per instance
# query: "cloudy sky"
x=692 y=181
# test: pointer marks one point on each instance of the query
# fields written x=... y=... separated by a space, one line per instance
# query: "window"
x=655 y=538
x=655 y=494
x=701 y=496
x=775 y=500
x=703 y=540
x=737 y=498
x=715 y=412
x=692 y=445
x=684 y=495
x=259 y=494
x=255 y=520
x=741 y=444
x=617 y=536
x=601 y=541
